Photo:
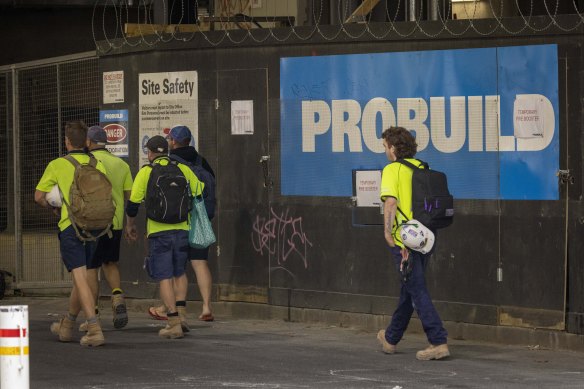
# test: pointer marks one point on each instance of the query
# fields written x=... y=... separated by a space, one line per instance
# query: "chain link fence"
x=36 y=100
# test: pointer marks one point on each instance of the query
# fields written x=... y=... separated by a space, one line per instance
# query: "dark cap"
x=96 y=134
x=180 y=133
x=157 y=144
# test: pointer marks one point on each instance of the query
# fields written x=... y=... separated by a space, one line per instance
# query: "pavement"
x=250 y=353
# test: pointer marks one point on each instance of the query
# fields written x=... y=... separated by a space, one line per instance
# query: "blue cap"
x=96 y=134
x=180 y=133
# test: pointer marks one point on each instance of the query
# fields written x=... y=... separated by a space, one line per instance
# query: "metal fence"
x=36 y=99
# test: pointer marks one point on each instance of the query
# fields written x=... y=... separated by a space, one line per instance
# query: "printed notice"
x=113 y=87
x=367 y=184
x=242 y=117
x=528 y=117
x=166 y=100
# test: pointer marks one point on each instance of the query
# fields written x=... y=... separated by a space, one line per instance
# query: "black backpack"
x=168 y=194
x=207 y=178
x=432 y=203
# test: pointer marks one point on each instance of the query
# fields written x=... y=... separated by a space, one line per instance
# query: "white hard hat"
x=54 y=197
x=416 y=236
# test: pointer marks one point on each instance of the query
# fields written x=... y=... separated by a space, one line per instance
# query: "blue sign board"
x=115 y=123
x=487 y=117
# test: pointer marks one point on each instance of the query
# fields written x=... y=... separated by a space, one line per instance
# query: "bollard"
x=14 y=364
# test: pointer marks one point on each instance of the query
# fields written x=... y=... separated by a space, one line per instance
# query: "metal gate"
x=36 y=100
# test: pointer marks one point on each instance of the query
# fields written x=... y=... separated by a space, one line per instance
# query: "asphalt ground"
x=245 y=353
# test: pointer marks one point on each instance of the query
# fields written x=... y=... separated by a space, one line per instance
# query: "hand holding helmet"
x=416 y=236
x=54 y=197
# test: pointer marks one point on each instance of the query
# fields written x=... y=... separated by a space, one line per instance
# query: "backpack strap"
x=411 y=165
x=174 y=157
x=72 y=160
x=86 y=236
x=92 y=160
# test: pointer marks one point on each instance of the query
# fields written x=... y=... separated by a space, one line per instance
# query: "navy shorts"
x=76 y=253
x=168 y=254
x=198 y=253
x=108 y=249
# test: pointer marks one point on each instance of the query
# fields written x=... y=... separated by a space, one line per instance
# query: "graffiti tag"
x=281 y=236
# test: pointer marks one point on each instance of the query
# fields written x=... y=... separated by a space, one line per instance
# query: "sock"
x=71 y=317
x=117 y=291
x=92 y=320
x=181 y=303
x=172 y=314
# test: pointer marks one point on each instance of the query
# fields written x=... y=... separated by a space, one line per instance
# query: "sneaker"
x=385 y=346
x=119 y=310
x=182 y=313
x=94 y=336
x=64 y=329
x=433 y=352
x=173 y=329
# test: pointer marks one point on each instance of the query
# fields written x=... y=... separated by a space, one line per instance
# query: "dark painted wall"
x=33 y=33
x=305 y=251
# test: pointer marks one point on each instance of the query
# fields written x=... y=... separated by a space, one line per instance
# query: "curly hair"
x=76 y=132
x=402 y=140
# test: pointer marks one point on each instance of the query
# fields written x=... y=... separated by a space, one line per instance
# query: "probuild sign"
x=487 y=117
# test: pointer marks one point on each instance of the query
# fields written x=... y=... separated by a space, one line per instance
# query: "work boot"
x=182 y=313
x=63 y=328
x=385 y=346
x=119 y=310
x=173 y=329
x=94 y=336
x=433 y=352
x=83 y=326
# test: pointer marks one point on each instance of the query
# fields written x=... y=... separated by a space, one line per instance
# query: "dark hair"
x=185 y=142
x=76 y=132
x=402 y=140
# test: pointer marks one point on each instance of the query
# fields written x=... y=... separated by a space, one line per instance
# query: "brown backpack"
x=91 y=207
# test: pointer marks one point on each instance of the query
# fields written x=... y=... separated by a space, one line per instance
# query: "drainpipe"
x=412 y=10
x=433 y=9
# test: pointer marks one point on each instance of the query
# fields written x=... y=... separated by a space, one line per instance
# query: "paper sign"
x=367 y=184
x=113 y=87
x=528 y=117
x=242 y=117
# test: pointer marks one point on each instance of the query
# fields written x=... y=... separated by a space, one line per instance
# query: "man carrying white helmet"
x=410 y=259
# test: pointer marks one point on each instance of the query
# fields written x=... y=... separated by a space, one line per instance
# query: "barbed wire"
x=238 y=15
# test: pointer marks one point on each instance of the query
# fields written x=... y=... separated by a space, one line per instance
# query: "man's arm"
x=136 y=195
x=131 y=233
x=40 y=198
x=389 y=210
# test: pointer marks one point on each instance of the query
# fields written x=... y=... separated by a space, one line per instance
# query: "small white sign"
x=113 y=87
x=242 y=117
x=528 y=117
x=367 y=187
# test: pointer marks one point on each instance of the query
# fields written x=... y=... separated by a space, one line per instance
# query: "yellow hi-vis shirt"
x=396 y=182
x=118 y=172
x=139 y=193
x=60 y=172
